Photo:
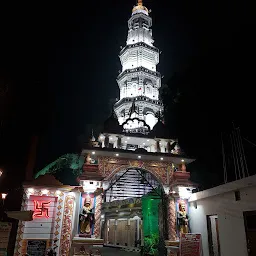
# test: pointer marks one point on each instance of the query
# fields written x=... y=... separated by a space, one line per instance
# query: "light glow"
x=31 y=191
x=184 y=193
x=117 y=154
x=93 y=153
x=45 y=192
x=4 y=196
x=161 y=159
x=139 y=157
x=90 y=186
x=182 y=160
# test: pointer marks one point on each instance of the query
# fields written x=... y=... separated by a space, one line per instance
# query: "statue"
x=182 y=218
x=86 y=217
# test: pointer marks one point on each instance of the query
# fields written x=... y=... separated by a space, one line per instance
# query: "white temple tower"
x=139 y=81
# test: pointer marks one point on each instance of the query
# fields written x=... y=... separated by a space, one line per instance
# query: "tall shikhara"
x=139 y=81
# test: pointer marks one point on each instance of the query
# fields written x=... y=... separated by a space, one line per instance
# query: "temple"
x=129 y=187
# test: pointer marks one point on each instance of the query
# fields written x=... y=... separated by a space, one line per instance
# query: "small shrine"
x=129 y=186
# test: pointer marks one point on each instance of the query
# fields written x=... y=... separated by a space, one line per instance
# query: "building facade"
x=226 y=217
x=128 y=188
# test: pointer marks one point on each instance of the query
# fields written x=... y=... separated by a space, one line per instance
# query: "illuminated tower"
x=139 y=81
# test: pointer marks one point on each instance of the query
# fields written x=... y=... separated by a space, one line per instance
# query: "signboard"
x=5 y=229
x=36 y=247
x=190 y=245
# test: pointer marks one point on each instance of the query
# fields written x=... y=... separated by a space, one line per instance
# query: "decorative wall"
x=66 y=231
x=97 y=215
x=47 y=219
x=109 y=166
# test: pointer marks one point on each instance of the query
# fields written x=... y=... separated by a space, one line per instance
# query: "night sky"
x=60 y=62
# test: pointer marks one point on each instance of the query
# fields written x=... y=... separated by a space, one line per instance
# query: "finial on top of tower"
x=140 y=8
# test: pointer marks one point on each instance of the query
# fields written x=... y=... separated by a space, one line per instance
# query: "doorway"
x=213 y=235
x=250 y=230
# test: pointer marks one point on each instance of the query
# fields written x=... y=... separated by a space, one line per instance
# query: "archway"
x=132 y=182
x=133 y=197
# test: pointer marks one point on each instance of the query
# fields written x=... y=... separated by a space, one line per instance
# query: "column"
x=172 y=219
x=106 y=141
x=172 y=236
x=168 y=147
x=119 y=142
x=158 y=149
x=97 y=216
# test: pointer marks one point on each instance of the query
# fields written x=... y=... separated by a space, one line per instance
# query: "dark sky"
x=60 y=61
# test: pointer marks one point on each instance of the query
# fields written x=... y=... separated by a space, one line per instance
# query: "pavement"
x=117 y=252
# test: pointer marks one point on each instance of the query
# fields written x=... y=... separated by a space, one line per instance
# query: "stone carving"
x=109 y=166
x=86 y=218
x=182 y=218
x=66 y=232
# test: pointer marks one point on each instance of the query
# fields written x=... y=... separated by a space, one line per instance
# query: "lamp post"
x=4 y=195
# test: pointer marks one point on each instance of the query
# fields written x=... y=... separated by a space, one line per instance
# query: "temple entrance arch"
x=133 y=208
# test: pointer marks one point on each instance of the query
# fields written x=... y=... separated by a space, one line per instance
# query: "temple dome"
x=111 y=125
x=140 y=7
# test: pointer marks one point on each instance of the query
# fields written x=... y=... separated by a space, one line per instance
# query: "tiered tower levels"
x=139 y=81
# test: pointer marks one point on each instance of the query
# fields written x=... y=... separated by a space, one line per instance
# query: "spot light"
x=117 y=154
x=182 y=160
x=161 y=159
x=45 y=192
x=31 y=190
x=128 y=138
x=93 y=153
x=139 y=157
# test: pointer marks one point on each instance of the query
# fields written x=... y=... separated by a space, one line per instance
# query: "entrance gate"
x=126 y=209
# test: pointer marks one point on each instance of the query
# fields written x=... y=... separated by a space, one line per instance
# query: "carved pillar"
x=97 y=216
x=172 y=220
x=106 y=141
x=66 y=231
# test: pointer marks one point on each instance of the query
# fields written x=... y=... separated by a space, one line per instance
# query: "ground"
x=116 y=252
